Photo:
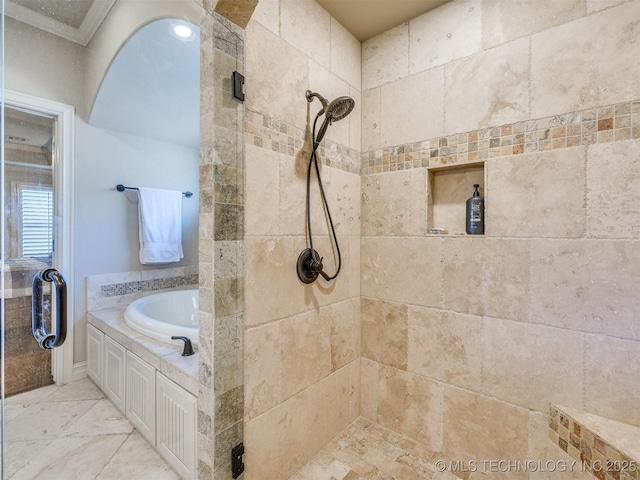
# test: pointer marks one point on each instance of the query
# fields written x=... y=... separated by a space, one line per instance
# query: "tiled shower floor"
x=367 y=451
x=74 y=433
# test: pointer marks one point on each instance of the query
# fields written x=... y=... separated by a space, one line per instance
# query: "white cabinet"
x=113 y=383
x=141 y=396
x=95 y=348
x=176 y=426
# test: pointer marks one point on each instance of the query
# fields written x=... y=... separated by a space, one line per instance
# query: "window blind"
x=37 y=221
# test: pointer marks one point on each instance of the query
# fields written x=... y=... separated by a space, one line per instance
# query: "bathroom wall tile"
x=355 y=121
x=307 y=26
x=346 y=51
x=446 y=33
x=571 y=71
x=411 y=405
x=370 y=120
x=537 y=195
x=262 y=369
x=542 y=450
x=597 y=5
x=267 y=14
x=343 y=196
x=328 y=410
x=344 y=321
x=503 y=73
x=305 y=352
x=395 y=203
x=613 y=190
x=487 y=277
x=445 y=346
x=385 y=57
x=412 y=108
x=369 y=371
x=612 y=369
x=263 y=193
x=354 y=392
x=586 y=285
x=382 y=259
x=513 y=369
x=506 y=21
x=330 y=86
x=477 y=427
x=269 y=92
x=278 y=439
x=384 y=332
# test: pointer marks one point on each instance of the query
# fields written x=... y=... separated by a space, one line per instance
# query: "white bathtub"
x=164 y=315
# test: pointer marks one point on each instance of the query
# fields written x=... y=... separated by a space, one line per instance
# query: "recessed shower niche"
x=447 y=192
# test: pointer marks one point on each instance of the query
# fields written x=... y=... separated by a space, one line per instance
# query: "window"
x=37 y=220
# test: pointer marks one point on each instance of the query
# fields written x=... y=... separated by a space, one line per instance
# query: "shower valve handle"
x=316 y=266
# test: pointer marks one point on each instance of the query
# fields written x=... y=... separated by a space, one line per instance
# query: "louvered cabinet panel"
x=141 y=392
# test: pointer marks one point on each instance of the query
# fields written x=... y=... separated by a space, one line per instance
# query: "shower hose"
x=313 y=161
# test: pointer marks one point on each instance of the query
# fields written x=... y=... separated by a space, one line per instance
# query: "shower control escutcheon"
x=309 y=268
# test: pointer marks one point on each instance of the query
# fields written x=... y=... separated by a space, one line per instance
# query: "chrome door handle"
x=49 y=340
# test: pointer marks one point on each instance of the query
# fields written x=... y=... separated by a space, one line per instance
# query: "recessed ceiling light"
x=183 y=31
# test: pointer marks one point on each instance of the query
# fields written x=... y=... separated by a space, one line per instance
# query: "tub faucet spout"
x=188 y=348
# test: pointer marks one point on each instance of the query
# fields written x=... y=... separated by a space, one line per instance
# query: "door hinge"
x=237 y=465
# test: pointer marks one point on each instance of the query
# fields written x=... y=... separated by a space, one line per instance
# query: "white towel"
x=160 y=221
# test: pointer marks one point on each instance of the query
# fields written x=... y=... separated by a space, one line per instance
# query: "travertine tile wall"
x=302 y=343
x=466 y=341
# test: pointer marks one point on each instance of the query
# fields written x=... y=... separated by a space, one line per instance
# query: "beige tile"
x=612 y=369
x=484 y=276
x=590 y=286
x=328 y=412
x=395 y=203
x=346 y=51
x=411 y=405
x=354 y=393
x=412 y=108
x=503 y=96
x=597 y=5
x=267 y=13
x=262 y=187
x=261 y=369
x=355 y=121
x=532 y=365
x=571 y=71
x=445 y=346
x=265 y=61
x=449 y=191
x=370 y=120
x=343 y=196
x=385 y=57
x=447 y=33
x=613 y=190
x=344 y=321
x=103 y=418
x=506 y=21
x=481 y=428
x=405 y=270
x=537 y=194
x=543 y=451
x=305 y=352
x=369 y=389
x=306 y=26
x=385 y=332
x=279 y=440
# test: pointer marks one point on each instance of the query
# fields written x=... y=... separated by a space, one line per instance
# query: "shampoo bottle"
x=475 y=213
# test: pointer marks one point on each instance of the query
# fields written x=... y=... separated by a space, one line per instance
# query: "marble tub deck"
x=73 y=432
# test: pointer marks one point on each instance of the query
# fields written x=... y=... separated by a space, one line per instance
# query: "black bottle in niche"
x=475 y=213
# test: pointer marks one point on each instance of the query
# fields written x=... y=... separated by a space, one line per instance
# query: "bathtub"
x=164 y=315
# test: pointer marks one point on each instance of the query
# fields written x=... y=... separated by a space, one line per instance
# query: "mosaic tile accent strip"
x=267 y=132
x=597 y=455
x=596 y=125
x=142 y=286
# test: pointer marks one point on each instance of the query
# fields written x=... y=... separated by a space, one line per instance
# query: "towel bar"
x=122 y=188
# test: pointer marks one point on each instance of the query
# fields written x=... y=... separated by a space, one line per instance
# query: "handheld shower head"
x=334 y=111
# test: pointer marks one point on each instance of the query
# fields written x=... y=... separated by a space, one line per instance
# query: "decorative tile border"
x=596 y=455
x=144 y=286
x=272 y=134
x=586 y=127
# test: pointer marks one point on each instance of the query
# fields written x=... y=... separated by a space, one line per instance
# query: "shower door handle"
x=45 y=339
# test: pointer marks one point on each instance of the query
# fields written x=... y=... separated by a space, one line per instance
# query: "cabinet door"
x=141 y=393
x=176 y=426
x=95 y=349
x=114 y=372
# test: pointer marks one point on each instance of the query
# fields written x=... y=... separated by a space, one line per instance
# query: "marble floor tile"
x=74 y=433
x=367 y=451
